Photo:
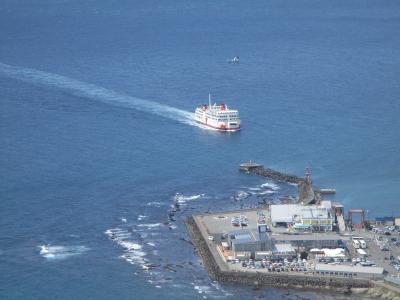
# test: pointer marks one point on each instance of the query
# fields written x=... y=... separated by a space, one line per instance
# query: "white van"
x=362 y=252
x=363 y=244
x=356 y=244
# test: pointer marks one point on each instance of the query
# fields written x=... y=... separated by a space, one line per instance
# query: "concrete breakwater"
x=307 y=194
x=216 y=272
x=258 y=169
x=202 y=249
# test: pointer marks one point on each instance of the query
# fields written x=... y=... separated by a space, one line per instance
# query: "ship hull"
x=219 y=128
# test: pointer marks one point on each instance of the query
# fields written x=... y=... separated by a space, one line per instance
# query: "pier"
x=252 y=167
x=307 y=193
x=326 y=191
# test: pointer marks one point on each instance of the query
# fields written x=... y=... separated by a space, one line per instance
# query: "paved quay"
x=220 y=270
x=209 y=230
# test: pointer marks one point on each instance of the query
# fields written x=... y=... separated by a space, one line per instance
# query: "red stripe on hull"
x=220 y=129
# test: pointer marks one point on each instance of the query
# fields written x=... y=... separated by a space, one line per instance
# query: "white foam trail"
x=61 y=252
x=94 y=92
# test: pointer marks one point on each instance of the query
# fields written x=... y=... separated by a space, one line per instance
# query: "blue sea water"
x=95 y=135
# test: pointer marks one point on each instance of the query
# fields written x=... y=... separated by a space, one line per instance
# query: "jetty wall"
x=276 y=175
x=264 y=279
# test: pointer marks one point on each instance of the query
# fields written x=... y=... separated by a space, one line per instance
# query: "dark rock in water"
x=185 y=240
x=170 y=268
x=176 y=207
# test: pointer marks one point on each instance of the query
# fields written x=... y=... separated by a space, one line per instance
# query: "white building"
x=349 y=271
x=303 y=216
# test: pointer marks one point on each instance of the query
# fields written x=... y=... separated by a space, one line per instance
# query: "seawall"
x=307 y=194
x=265 y=279
x=276 y=175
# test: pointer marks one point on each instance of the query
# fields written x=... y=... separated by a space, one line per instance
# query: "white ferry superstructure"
x=218 y=116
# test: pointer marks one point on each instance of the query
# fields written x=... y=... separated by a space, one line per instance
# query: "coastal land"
x=267 y=250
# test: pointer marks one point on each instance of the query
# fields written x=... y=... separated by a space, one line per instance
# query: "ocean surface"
x=97 y=140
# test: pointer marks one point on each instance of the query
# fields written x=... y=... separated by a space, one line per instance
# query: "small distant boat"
x=235 y=60
x=218 y=116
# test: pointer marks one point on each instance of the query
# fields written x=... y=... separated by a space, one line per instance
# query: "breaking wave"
x=61 y=252
x=133 y=252
x=155 y=204
x=270 y=185
x=94 y=92
x=241 y=195
x=181 y=199
x=153 y=225
x=141 y=217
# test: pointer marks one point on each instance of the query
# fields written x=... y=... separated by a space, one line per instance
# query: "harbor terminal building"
x=303 y=217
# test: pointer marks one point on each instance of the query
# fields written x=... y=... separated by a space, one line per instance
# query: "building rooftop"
x=242 y=236
x=348 y=268
x=326 y=204
x=283 y=213
x=287 y=213
x=314 y=212
x=283 y=248
x=307 y=237
x=382 y=219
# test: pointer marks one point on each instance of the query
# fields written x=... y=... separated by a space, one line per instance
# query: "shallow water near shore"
x=101 y=163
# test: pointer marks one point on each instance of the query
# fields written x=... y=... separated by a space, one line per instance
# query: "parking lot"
x=383 y=249
x=277 y=265
x=382 y=245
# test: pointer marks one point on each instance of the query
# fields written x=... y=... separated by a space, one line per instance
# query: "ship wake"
x=95 y=92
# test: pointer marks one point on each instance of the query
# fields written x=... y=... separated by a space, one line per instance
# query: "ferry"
x=218 y=116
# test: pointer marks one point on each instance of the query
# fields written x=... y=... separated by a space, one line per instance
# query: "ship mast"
x=209 y=100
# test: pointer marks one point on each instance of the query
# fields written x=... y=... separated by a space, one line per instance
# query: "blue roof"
x=242 y=236
x=382 y=219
